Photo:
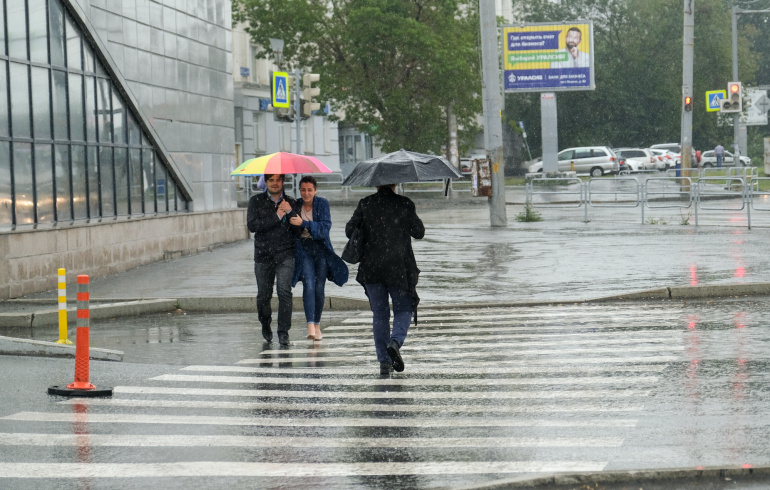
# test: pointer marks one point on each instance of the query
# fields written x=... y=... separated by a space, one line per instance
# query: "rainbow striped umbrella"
x=282 y=163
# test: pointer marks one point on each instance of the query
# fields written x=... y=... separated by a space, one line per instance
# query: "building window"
x=309 y=142
x=70 y=141
x=284 y=137
x=258 y=126
x=355 y=148
x=327 y=136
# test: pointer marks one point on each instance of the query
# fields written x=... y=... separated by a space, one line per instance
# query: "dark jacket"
x=389 y=223
x=319 y=230
x=274 y=237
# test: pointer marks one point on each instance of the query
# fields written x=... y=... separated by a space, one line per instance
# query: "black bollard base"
x=64 y=391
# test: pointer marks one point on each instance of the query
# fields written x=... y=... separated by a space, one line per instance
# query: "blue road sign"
x=714 y=100
x=280 y=89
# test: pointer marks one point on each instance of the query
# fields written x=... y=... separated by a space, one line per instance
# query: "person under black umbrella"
x=388 y=268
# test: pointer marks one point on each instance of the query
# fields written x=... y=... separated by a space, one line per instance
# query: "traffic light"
x=688 y=103
x=734 y=100
x=309 y=92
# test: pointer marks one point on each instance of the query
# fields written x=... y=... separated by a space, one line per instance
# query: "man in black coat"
x=274 y=245
x=388 y=268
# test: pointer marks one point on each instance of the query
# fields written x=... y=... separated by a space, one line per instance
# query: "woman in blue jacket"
x=315 y=260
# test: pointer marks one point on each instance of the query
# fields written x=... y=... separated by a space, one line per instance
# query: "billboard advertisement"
x=548 y=57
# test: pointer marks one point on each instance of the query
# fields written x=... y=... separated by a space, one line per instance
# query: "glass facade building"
x=113 y=109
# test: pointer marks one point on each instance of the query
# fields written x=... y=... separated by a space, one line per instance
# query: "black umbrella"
x=399 y=167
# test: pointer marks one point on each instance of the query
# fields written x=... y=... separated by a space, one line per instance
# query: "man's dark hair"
x=309 y=178
x=282 y=176
x=576 y=30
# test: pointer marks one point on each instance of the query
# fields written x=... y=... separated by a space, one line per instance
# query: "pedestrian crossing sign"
x=280 y=89
x=714 y=100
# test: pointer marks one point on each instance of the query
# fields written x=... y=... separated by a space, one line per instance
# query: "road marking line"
x=475 y=370
x=478 y=326
x=236 y=469
x=420 y=395
x=127 y=418
x=487 y=354
x=474 y=382
x=451 y=344
x=352 y=407
x=544 y=360
x=134 y=440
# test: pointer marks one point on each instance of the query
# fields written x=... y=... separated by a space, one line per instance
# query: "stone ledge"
x=24 y=347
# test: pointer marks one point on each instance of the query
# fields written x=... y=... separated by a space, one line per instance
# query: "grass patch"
x=529 y=214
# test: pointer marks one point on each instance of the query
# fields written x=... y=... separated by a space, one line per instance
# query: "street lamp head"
x=277 y=46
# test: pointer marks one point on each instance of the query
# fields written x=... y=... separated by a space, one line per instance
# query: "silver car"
x=593 y=160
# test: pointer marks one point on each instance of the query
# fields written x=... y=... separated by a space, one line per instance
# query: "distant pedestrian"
x=719 y=152
x=274 y=245
x=388 y=268
x=315 y=259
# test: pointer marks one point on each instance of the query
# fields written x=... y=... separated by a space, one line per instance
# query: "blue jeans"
x=402 y=316
x=278 y=274
x=314 y=271
x=719 y=159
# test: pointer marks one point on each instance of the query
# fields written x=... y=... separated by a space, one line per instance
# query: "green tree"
x=393 y=66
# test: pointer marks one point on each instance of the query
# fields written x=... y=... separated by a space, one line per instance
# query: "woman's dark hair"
x=309 y=178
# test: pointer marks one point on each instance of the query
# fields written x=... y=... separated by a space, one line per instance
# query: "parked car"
x=465 y=166
x=594 y=160
x=638 y=159
x=667 y=157
x=708 y=159
x=676 y=149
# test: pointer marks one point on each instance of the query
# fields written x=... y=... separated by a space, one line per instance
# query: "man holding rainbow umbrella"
x=268 y=217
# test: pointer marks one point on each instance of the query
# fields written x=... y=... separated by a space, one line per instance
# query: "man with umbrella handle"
x=274 y=247
x=387 y=268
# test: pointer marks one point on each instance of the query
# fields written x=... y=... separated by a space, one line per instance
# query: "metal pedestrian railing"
x=731 y=190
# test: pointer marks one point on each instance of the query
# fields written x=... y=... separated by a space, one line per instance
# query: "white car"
x=638 y=159
x=709 y=159
x=667 y=157
x=593 y=160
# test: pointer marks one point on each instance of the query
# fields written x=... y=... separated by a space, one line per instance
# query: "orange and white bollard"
x=81 y=386
x=63 y=309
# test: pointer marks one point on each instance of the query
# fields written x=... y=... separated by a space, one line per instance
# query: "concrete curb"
x=25 y=347
x=636 y=478
x=247 y=304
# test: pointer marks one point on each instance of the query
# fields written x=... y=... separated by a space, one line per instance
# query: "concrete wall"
x=29 y=260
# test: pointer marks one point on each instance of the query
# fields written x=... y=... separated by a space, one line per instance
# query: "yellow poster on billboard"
x=548 y=57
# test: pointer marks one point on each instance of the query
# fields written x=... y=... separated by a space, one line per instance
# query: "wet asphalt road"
x=486 y=394
x=200 y=401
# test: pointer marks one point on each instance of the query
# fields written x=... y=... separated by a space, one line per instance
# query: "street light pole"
x=737 y=116
x=687 y=77
x=493 y=106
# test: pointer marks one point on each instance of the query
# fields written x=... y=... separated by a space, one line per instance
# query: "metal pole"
x=737 y=116
x=493 y=126
x=298 y=120
x=687 y=77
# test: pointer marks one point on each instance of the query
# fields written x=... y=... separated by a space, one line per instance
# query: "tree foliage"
x=393 y=66
x=638 y=72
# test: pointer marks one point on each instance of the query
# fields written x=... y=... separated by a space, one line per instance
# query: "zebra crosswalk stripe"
x=180 y=440
x=472 y=382
x=121 y=418
x=419 y=395
x=231 y=469
x=476 y=369
x=353 y=407
x=528 y=362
